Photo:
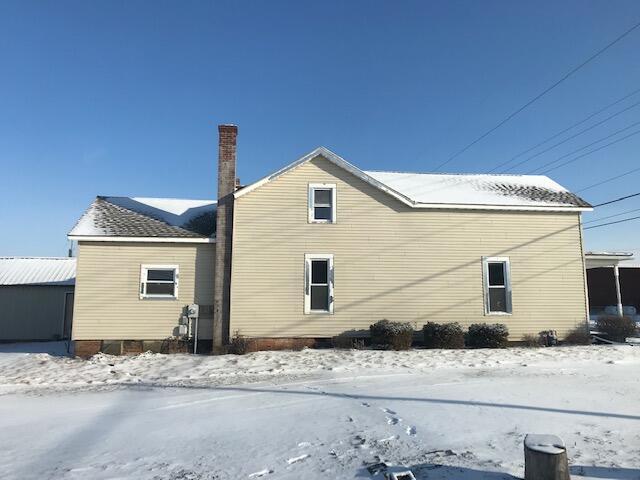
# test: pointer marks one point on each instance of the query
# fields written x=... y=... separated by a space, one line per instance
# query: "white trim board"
x=144 y=280
x=97 y=238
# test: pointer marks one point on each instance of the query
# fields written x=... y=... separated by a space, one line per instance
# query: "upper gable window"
x=322 y=203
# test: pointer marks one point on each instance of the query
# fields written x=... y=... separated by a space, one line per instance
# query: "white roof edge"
x=98 y=238
x=609 y=255
x=465 y=206
x=33 y=257
x=341 y=162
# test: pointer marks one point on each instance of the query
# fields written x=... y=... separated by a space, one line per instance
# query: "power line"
x=612 y=223
x=590 y=152
x=617 y=200
x=584 y=130
x=587 y=118
x=582 y=148
x=612 y=216
x=609 y=180
x=540 y=95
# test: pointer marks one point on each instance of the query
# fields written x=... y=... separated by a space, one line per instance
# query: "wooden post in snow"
x=545 y=458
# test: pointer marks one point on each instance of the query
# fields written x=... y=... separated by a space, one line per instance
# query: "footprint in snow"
x=411 y=431
x=388 y=410
x=261 y=473
x=393 y=420
x=365 y=404
x=298 y=459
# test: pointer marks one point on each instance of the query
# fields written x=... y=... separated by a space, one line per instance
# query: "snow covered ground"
x=316 y=413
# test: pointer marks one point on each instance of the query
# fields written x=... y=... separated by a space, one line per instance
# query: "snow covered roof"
x=477 y=189
x=139 y=217
x=37 y=271
x=465 y=191
x=608 y=259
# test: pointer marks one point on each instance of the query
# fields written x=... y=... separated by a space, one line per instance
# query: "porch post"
x=616 y=275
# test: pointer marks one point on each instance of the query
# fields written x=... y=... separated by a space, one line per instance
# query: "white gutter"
x=464 y=206
x=98 y=238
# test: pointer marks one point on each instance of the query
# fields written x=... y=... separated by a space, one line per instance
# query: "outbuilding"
x=36 y=298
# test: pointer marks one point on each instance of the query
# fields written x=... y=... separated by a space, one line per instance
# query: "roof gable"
x=460 y=191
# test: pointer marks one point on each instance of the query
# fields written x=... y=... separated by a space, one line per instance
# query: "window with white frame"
x=497 y=285
x=159 y=281
x=318 y=291
x=322 y=203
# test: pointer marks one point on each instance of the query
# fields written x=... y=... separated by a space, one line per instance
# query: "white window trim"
x=307 y=282
x=310 y=201
x=143 y=281
x=507 y=280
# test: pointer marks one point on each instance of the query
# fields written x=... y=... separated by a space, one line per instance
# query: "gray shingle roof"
x=147 y=217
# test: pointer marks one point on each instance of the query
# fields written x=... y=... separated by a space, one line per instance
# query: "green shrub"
x=347 y=342
x=484 y=335
x=578 y=336
x=616 y=328
x=240 y=345
x=176 y=345
x=443 y=335
x=531 y=340
x=392 y=335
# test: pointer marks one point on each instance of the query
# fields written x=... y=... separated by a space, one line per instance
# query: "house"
x=322 y=247
x=36 y=298
x=613 y=280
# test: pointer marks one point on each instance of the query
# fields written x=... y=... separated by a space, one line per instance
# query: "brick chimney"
x=224 y=234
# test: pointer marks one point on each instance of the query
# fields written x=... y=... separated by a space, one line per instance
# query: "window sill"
x=322 y=222
x=498 y=314
x=158 y=297
x=318 y=312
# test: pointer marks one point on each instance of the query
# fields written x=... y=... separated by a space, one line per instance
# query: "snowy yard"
x=317 y=413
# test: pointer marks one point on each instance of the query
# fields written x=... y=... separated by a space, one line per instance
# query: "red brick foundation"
x=132 y=347
x=86 y=348
x=258 y=344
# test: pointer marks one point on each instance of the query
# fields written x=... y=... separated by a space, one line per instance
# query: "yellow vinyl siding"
x=395 y=262
x=108 y=304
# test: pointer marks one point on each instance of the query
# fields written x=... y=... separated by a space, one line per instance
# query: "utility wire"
x=587 y=118
x=584 y=130
x=590 y=152
x=582 y=148
x=540 y=95
x=606 y=137
x=611 y=216
x=617 y=200
x=612 y=223
x=609 y=180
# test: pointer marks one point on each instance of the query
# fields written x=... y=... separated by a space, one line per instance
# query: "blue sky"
x=123 y=97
